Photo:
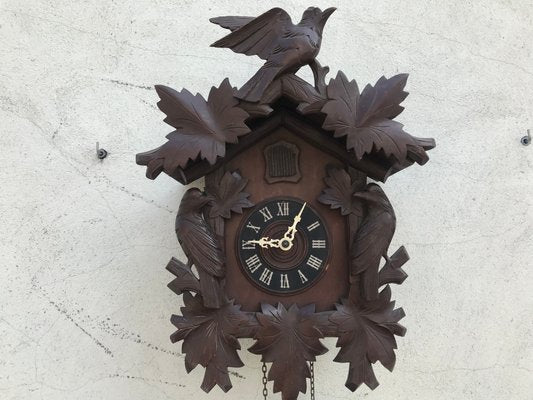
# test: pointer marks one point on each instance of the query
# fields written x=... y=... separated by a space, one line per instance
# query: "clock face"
x=283 y=246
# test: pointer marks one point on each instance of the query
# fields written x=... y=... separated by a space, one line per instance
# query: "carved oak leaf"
x=202 y=128
x=209 y=339
x=366 y=335
x=288 y=339
x=366 y=119
x=339 y=193
x=228 y=196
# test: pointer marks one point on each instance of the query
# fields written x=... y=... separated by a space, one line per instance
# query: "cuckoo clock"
x=288 y=243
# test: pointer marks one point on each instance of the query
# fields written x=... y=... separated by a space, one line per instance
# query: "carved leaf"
x=228 y=196
x=209 y=339
x=339 y=193
x=366 y=119
x=366 y=335
x=202 y=128
x=288 y=339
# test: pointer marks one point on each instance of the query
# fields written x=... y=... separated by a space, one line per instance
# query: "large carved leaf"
x=202 y=128
x=339 y=193
x=366 y=335
x=288 y=339
x=209 y=339
x=229 y=196
x=365 y=119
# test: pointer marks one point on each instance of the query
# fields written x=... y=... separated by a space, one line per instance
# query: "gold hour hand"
x=265 y=242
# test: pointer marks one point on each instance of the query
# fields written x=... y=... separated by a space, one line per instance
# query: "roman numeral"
x=314 y=225
x=303 y=278
x=253 y=263
x=318 y=244
x=265 y=212
x=314 y=262
x=283 y=209
x=247 y=245
x=251 y=226
x=285 y=281
x=266 y=276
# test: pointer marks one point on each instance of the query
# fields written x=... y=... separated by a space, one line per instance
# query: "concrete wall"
x=84 y=311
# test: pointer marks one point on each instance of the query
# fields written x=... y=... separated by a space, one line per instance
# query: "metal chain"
x=312 y=367
x=265 y=381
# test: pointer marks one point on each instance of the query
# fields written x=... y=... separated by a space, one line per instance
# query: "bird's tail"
x=255 y=87
x=211 y=290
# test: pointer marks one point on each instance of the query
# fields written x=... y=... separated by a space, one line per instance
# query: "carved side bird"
x=273 y=37
x=201 y=246
x=372 y=239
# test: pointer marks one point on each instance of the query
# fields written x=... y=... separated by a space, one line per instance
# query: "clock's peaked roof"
x=357 y=128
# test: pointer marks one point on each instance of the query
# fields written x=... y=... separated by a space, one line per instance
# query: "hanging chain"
x=312 y=367
x=265 y=381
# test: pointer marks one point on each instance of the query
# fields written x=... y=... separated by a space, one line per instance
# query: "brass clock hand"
x=286 y=242
x=266 y=242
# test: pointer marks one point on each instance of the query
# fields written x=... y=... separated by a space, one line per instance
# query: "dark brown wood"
x=289 y=340
x=339 y=193
x=209 y=339
x=366 y=335
x=202 y=128
x=392 y=271
x=185 y=280
x=334 y=283
x=201 y=246
x=279 y=136
x=282 y=162
x=366 y=119
x=273 y=37
x=372 y=239
x=227 y=195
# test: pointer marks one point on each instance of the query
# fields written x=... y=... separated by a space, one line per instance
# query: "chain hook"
x=100 y=153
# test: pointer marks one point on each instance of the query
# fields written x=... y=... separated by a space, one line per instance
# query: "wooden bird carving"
x=201 y=246
x=372 y=239
x=273 y=37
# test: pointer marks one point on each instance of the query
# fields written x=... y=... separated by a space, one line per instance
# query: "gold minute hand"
x=289 y=235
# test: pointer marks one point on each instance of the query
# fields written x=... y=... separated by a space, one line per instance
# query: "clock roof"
x=357 y=128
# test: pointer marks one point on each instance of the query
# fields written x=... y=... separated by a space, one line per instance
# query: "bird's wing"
x=200 y=245
x=260 y=36
x=371 y=242
x=231 y=23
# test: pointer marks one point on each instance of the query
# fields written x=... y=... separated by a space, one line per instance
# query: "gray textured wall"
x=83 y=305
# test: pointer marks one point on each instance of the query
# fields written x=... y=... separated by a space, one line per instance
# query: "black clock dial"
x=283 y=246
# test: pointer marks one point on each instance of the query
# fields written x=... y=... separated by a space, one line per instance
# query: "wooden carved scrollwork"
x=210 y=324
x=358 y=129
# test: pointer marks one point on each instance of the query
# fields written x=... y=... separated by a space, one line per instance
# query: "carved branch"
x=319 y=73
x=392 y=271
x=185 y=279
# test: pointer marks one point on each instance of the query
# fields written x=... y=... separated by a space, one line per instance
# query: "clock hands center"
x=286 y=242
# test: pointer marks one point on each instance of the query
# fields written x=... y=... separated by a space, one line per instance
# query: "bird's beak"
x=326 y=14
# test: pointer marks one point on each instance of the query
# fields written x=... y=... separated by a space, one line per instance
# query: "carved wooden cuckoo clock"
x=288 y=243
